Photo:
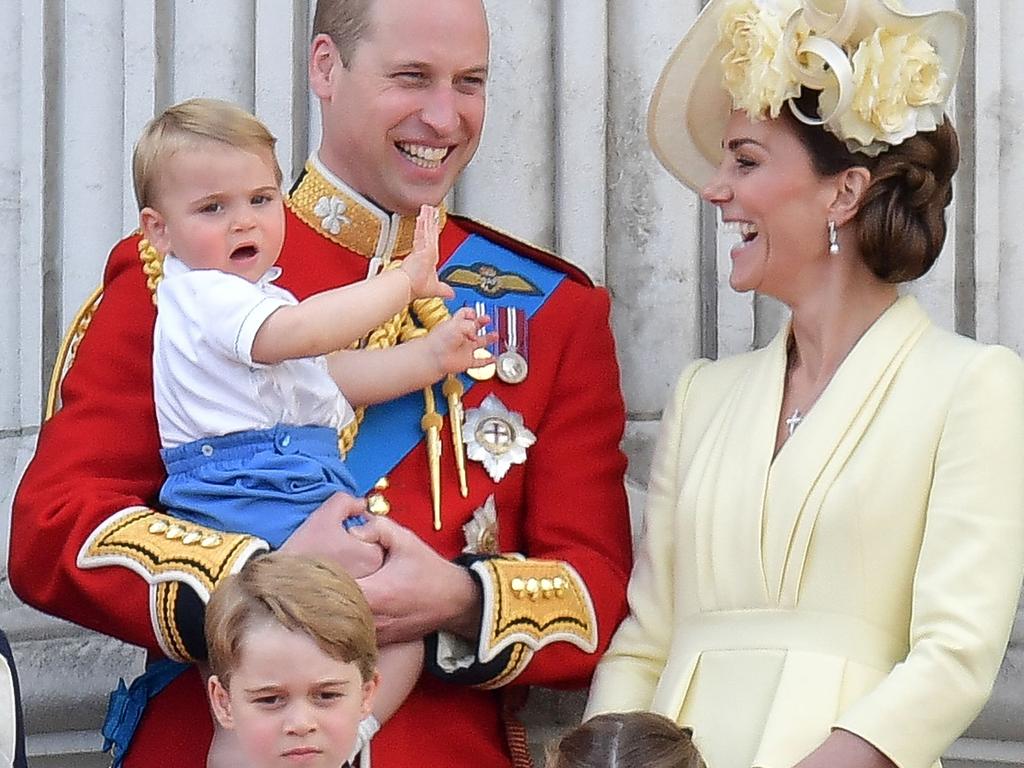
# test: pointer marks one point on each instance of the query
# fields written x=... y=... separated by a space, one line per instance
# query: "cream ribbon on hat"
x=826 y=45
x=836 y=28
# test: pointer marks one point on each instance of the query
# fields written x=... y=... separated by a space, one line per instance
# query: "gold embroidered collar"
x=339 y=213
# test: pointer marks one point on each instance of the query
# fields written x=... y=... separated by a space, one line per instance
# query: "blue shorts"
x=262 y=482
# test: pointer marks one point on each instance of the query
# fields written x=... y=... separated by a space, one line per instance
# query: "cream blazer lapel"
x=806 y=467
x=752 y=510
x=727 y=484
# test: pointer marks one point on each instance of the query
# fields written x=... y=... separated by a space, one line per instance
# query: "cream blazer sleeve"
x=968 y=573
x=628 y=673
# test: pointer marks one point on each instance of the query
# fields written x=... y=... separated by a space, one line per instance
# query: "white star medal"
x=496 y=436
x=482 y=530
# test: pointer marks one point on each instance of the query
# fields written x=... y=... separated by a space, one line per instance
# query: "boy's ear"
x=369 y=692
x=154 y=229
x=220 y=702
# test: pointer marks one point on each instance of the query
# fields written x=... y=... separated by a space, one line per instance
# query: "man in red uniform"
x=508 y=538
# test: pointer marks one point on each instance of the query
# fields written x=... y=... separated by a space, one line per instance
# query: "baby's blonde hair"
x=185 y=126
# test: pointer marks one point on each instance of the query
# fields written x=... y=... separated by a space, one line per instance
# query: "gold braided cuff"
x=163 y=600
x=533 y=603
x=166 y=553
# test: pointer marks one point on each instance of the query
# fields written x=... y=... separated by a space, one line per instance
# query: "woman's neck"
x=828 y=323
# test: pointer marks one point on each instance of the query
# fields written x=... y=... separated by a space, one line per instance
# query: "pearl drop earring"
x=833 y=238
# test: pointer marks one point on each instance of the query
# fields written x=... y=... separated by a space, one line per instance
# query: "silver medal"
x=512 y=367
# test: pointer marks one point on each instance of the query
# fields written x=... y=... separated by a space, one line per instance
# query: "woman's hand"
x=843 y=749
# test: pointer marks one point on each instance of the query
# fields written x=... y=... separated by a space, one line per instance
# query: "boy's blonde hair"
x=625 y=740
x=186 y=126
x=300 y=594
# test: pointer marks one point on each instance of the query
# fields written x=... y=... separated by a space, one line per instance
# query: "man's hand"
x=416 y=591
x=323 y=536
x=421 y=264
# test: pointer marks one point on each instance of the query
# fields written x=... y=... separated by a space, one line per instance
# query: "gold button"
x=191 y=538
x=211 y=541
x=382 y=485
x=377 y=504
x=174 y=532
x=158 y=527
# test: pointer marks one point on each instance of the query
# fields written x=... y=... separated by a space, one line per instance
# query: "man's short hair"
x=186 y=126
x=302 y=595
x=346 y=22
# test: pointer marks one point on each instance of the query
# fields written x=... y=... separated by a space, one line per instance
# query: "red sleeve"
x=85 y=543
x=575 y=491
x=98 y=455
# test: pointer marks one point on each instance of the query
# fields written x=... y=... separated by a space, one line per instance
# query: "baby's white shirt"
x=205 y=382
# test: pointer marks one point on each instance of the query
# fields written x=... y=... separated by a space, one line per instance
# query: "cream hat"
x=888 y=76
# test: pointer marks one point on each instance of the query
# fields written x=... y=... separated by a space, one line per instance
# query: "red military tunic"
x=88 y=546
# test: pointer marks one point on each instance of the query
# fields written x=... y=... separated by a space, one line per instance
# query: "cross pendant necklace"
x=794 y=421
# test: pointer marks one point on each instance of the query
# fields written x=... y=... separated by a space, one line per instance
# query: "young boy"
x=251 y=385
x=293 y=658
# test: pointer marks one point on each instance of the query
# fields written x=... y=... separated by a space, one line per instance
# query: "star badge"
x=482 y=530
x=496 y=436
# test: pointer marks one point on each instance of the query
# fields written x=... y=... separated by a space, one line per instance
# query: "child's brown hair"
x=625 y=740
x=300 y=594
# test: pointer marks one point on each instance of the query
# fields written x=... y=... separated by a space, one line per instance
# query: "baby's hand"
x=421 y=264
x=454 y=341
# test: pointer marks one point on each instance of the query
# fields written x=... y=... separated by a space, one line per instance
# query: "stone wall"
x=564 y=163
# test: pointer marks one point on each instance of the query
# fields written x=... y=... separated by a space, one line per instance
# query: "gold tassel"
x=453 y=391
x=431 y=312
x=431 y=424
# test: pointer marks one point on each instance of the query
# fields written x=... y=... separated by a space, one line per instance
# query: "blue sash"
x=391 y=430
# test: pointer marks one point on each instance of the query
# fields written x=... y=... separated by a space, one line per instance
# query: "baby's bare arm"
x=376 y=375
x=332 y=320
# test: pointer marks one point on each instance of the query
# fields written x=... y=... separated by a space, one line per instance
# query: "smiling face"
x=769 y=194
x=290 y=703
x=403 y=119
x=218 y=207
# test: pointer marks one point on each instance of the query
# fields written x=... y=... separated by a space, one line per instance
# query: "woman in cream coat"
x=834 y=534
